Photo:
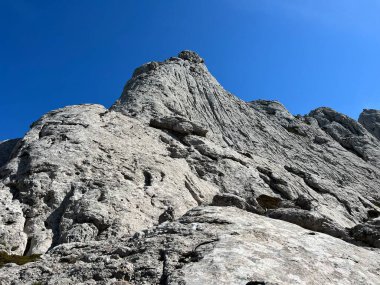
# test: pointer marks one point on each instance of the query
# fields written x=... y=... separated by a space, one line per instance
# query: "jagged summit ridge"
x=147 y=191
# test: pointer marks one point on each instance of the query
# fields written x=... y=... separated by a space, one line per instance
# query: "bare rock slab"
x=208 y=245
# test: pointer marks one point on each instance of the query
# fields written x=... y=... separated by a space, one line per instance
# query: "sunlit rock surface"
x=270 y=197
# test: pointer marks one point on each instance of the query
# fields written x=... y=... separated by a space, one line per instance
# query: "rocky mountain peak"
x=169 y=84
x=181 y=182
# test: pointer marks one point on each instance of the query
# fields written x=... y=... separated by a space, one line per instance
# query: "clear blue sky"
x=303 y=53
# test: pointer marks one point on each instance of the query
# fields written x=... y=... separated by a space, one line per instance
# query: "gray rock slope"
x=141 y=193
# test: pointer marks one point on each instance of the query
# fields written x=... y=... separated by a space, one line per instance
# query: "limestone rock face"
x=273 y=108
x=83 y=173
x=325 y=158
x=349 y=134
x=370 y=119
x=208 y=245
x=181 y=182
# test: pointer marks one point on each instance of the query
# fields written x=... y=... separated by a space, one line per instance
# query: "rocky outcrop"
x=370 y=119
x=325 y=157
x=273 y=109
x=349 y=134
x=208 y=245
x=103 y=193
x=178 y=125
x=81 y=170
x=368 y=233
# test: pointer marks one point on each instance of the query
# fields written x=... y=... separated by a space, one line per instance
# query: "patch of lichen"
x=18 y=259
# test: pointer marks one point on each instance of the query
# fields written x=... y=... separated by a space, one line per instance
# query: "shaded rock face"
x=370 y=119
x=6 y=148
x=124 y=194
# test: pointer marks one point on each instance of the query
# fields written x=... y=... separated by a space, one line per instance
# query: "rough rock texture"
x=208 y=245
x=325 y=158
x=273 y=108
x=85 y=179
x=370 y=119
x=81 y=170
x=349 y=134
x=6 y=148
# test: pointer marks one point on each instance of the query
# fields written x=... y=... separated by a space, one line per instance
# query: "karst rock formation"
x=181 y=182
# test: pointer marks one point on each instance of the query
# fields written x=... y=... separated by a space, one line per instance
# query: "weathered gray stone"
x=145 y=68
x=178 y=125
x=6 y=148
x=104 y=192
x=208 y=245
x=12 y=236
x=370 y=119
x=368 y=233
x=227 y=199
x=83 y=165
x=264 y=134
x=310 y=220
x=349 y=134
x=273 y=109
x=190 y=56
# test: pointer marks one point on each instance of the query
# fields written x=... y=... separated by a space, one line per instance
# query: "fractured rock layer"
x=208 y=245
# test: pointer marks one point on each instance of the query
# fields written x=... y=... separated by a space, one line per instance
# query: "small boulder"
x=190 y=56
x=227 y=199
x=367 y=233
x=178 y=125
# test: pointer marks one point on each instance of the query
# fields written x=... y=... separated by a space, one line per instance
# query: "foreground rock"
x=208 y=245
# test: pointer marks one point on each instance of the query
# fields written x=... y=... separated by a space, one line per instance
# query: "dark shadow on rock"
x=6 y=148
